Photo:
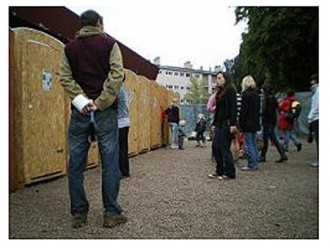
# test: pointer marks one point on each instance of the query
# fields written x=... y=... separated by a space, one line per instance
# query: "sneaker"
x=79 y=220
x=228 y=177
x=282 y=159
x=247 y=168
x=110 y=221
x=299 y=147
x=215 y=176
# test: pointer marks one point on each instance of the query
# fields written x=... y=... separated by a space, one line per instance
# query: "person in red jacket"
x=286 y=126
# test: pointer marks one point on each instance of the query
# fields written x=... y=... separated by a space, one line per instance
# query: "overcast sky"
x=202 y=32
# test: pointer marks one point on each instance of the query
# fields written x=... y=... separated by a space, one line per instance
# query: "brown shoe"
x=110 y=221
x=79 y=220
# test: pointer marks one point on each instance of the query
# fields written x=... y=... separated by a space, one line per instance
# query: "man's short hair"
x=89 y=18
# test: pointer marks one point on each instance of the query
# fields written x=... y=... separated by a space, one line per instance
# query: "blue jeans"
x=106 y=130
x=288 y=134
x=174 y=130
x=268 y=132
x=250 y=140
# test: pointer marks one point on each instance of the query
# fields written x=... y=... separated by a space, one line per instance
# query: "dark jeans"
x=214 y=134
x=223 y=157
x=268 y=132
x=315 y=129
x=181 y=141
x=200 y=137
x=106 y=130
x=123 y=151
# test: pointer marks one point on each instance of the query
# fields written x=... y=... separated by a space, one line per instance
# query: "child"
x=200 y=129
x=181 y=133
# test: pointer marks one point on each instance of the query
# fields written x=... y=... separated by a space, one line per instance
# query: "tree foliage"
x=280 y=47
x=197 y=93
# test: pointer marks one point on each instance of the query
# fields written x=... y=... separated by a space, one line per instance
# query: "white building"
x=178 y=78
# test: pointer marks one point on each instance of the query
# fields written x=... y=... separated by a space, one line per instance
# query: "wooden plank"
x=13 y=128
x=163 y=105
x=155 y=115
x=144 y=114
x=132 y=88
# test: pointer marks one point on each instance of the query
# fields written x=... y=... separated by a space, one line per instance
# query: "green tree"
x=280 y=47
x=197 y=93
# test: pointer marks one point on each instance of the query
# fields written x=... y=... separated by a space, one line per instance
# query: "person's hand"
x=93 y=107
x=88 y=108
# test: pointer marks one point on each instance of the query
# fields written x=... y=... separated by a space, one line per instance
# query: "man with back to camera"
x=92 y=67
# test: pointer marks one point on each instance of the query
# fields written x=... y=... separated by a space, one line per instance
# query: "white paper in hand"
x=80 y=102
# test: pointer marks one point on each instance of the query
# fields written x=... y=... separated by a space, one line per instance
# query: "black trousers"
x=315 y=129
x=123 y=151
x=222 y=153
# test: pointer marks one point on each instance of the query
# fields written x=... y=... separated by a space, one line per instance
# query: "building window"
x=176 y=74
x=187 y=74
x=182 y=87
x=176 y=87
x=181 y=74
x=188 y=88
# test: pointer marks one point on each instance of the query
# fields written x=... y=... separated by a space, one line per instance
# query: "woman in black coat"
x=225 y=118
x=249 y=121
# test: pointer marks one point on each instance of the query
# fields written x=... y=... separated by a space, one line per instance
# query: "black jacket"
x=269 y=110
x=249 y=115
x=226 y=108
x=172 y=113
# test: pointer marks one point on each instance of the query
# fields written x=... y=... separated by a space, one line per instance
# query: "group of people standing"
x=227 y=121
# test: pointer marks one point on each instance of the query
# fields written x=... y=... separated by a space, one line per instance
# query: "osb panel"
x=42 y=109
x=144 y=114
x=155 y=114
x=67 y=110
x=164 y=99
x=13 y=127
x=132 y=88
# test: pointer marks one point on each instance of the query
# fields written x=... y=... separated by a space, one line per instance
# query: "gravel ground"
x=169 y=196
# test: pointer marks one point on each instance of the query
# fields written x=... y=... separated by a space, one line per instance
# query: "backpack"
x=294 y=112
